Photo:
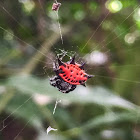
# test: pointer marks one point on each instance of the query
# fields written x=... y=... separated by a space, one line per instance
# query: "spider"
x=68 y=75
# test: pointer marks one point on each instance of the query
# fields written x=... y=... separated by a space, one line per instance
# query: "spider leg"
x=82 y=66
x=54 y=81
x=55 y=68
x=72 y=88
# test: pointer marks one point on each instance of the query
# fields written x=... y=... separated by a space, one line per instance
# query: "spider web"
x=93 y=34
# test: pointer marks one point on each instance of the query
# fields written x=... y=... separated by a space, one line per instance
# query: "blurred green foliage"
x=105 y=34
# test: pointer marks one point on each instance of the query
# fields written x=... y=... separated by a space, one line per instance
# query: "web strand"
x=111 y=31
x=95 y=31
x=24 y=126
x=22 y=28
x=3 y=122
x=59 y=26
x=115 y=29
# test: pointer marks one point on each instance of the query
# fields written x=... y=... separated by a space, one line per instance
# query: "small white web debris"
x=50 y=129
x=56 y=105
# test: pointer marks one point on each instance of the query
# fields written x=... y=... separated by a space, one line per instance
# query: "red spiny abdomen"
x=72 y=74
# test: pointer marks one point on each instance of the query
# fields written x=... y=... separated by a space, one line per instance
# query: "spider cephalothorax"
x=68 y=75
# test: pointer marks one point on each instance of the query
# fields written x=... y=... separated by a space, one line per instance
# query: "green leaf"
x=97 y=95
x=111 y=118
